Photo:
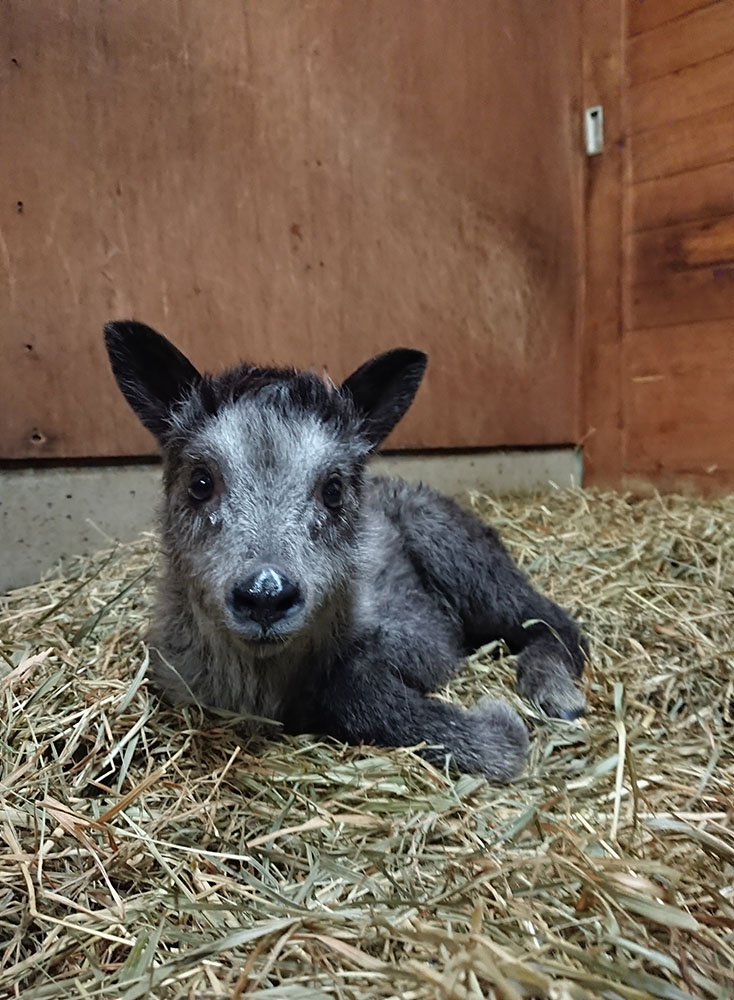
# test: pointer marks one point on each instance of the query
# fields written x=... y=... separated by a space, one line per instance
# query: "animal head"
x=263 y=475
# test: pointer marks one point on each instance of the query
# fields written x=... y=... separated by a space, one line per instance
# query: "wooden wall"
x=669 y=411
x=310 y=183
x=302 y=183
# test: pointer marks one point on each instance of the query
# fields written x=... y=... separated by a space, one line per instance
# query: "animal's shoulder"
x=391 y=495
x=386 y=573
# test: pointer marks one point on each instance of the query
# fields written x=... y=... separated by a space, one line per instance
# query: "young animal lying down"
x=299 y=589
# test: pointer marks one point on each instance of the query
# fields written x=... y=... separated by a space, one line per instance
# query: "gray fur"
x=396 y=584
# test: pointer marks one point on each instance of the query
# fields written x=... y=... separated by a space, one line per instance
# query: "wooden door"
x=303 y=183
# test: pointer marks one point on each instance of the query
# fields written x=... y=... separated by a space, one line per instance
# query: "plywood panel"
x=683 y=145
x=691 y=91
x=679 y=388
x=647 y=14
x=301 y=183
x=700 y=36
x=694 y=194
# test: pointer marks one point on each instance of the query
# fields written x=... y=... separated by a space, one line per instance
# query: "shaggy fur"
x=393 y=584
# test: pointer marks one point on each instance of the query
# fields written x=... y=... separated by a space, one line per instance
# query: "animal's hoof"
x=501 y=738
x=569 y=714
x=547 y=683
x=565 y=702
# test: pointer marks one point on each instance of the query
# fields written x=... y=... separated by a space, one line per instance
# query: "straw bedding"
x=152 y=852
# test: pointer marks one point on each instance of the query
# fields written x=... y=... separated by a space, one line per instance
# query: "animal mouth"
x=263 y=638
x=263 y=633
x=270 y=638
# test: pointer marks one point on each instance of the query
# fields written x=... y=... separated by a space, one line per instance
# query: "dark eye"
x=332 y=493
x=201 y=485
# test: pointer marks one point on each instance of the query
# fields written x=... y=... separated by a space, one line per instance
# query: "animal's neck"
x=223 y=671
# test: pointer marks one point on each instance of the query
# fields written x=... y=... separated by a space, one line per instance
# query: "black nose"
x=265 y=597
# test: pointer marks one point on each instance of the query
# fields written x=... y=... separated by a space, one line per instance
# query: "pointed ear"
x=151 y=373
x=384 y=388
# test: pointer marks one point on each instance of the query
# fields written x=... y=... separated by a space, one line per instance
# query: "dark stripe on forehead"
x=302 y=393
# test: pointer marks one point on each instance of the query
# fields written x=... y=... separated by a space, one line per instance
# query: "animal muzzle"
x=265 y=598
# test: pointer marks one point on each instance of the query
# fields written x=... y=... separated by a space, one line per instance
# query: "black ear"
x=151 y=373
x=384 y=388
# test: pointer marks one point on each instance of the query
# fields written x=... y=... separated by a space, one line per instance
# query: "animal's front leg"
x=367 y=702
x=552 y=651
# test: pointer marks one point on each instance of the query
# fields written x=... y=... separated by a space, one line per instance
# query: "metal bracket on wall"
x=594 y=129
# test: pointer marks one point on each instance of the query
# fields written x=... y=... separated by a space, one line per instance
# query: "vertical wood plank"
x=603 y=48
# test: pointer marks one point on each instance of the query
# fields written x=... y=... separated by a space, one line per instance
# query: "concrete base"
x=49 y=514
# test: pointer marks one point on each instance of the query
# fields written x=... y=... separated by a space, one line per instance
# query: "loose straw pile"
x=153 y=852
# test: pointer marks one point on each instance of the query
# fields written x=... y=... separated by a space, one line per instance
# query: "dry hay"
x=154 y=853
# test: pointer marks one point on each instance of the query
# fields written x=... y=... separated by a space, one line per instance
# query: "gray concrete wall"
x=47 y=515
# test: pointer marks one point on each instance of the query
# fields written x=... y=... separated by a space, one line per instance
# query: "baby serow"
x=300 y=589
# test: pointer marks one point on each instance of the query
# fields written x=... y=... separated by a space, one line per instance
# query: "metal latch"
x=594 y=130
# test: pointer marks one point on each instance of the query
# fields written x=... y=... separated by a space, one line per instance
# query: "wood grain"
x=646 y=14
x=692 y=246
x=300 y=183
x=660 y=371
x=600 y=381
x=694 y=38
x=695 y=194
x=691 y=91
x=689 y=297
x=679 y=395
x=683 y=145
x=678 y=368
